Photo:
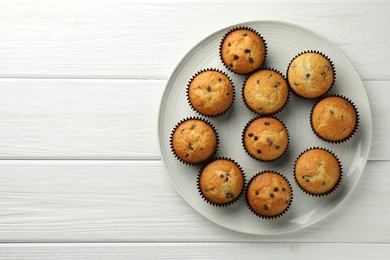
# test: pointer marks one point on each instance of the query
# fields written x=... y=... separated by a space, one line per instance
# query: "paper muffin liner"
x=259 y=215
x=322 y=54
x=221 y=204
x=277 y=111
x=194 y=118
x=354 y=130
x=338 y=181
x=188 y=90
x=243 y=28
x=243 y=135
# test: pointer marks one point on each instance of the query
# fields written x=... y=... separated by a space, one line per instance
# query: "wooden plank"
x=133 y=201
x=110 y=119
x=133 y=39
x=180 y=251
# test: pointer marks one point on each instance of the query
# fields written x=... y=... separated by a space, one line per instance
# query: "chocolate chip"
x=276 y=189
x=192 y=127
x=283 y=189
x=202 y=149
x=258 y=81
x=187 y=154
x=323 y=184
x=231 y=65
x=208 y=89
x=307 y=75
x=265 y=207
x=257 y=192
x=251 y=60
x=219 y=79
x=250 y=134
x=229 y=195
x=182 y=130
x=227 y=93
x=328 y=67
x=236 y=57
x=277 y=84
x=307 y=180
x=270 y=75
x=247 y=51
x=259 y=151
x=190 y=145
x=296 y=84
x=277 y=147
x=269 y=142
x=255 y=138
x=227 y=179
x=245 y=34
x=331 y=112
x=221 y=176
x=323 y=74
x=272 y=195
x=266 y=123
x=229 y=44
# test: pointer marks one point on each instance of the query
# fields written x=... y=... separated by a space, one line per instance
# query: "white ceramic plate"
x=284 y=42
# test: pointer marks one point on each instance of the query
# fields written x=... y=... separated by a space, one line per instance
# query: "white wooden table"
x=81 y=176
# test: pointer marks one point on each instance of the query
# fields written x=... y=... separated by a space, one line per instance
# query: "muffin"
x=265 y=138
x=210 y=92
x=221 y=182
x=194 y=141
x=265 y=92
x=243 y=50
x=317 y=171
x=311 y=74
x=334 y=119
x=268 y=194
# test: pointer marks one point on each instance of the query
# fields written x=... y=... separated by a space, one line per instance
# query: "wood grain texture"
x=134 y=39
x=180 y=251
x=110 y=119
x=119 y=201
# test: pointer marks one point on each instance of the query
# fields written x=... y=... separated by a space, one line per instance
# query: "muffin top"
x=265 y=138
x=268 y=194
x=265 y=91
x=210 y=93
x=334 y=118
x=310 y=75
x=317 y=171
x=243 y=51
x=221 y=181
x=194 y=141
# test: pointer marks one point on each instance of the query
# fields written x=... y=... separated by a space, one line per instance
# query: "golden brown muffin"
x=210 y=93
x=334 y=119
x=243 y=51
x=317 y=171
x=265 y=138
x=221 y=182
x=310 y=75
x=268 y=194
x=265 y=92
x=194 y=141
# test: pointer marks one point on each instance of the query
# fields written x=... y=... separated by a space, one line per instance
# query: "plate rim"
x=288 y=24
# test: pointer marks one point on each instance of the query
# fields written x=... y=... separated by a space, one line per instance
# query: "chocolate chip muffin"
x=265 y=138
x=317 y=171
x=194 y=141
x=221 y=182
x=310 y=74
x=334 y=119
x=268 y=194
x=210 y=92
x=243 y=50
x=265 y=92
